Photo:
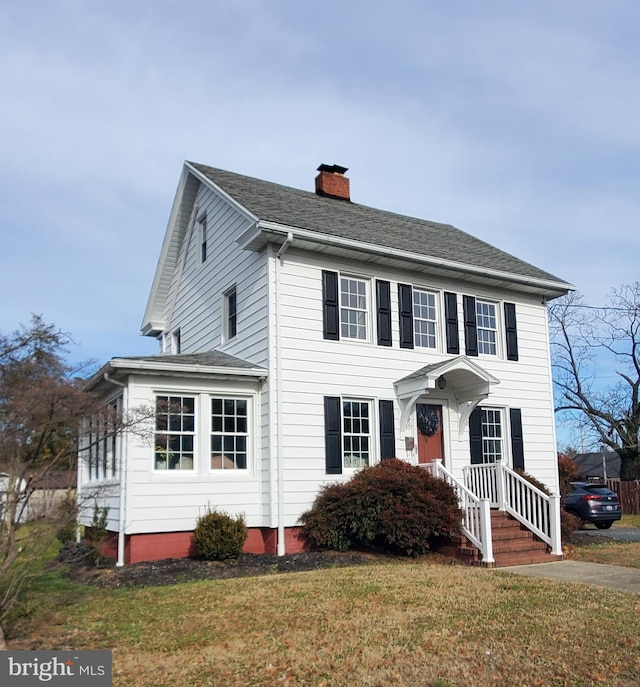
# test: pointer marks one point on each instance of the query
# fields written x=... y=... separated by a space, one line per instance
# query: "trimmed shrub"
x=218 y=536
x=392 y=507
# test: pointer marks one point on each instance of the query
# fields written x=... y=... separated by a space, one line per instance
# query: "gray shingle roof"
x=306 y=210
x=210 y=359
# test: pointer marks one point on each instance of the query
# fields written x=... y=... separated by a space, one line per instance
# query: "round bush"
x=393 y=507
x=219 y=537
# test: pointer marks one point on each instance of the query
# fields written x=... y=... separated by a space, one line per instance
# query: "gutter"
x=279 y=442
x=123 y=475
x=275 y=229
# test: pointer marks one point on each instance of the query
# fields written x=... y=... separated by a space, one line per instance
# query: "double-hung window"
x=356 y=433
x=175 y=432
x=487 y=327
x=492 y=435
x=229 y=433
x=424 y=319
x=353 y=308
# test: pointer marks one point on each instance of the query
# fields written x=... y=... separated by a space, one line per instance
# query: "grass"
x=626 y=554
x=398 y=623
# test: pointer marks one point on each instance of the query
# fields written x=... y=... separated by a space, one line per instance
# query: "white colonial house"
x=303 y=336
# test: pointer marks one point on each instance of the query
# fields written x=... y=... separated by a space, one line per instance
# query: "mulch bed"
x=174 y=571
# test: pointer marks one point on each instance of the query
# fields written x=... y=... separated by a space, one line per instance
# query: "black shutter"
x=451 y=322
x=517 y=442
x=330 y=306
x=470 y=331
x=405 y=306
x=511 y=330
x=383 y=295
x=333 y=435
x=475 y=436
x=387 y=430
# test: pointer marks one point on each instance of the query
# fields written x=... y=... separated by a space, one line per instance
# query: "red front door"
x=430 y=437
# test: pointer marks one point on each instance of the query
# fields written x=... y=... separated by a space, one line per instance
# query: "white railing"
x=476 y=513
x=507 y=490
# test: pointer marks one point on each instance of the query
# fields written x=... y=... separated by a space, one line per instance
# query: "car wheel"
x=603 y=525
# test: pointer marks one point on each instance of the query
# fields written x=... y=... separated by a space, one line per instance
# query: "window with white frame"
x=492 y=439
x=356 y=433
x=487 y=327
x=100 y=442
x=424 y=318
x=229 y=433
x=353 y=308
x=175 y=432
x=230 y=313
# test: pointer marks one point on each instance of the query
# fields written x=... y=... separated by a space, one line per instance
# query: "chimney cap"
x=333 y=169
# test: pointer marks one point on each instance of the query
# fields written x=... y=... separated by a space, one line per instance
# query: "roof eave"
x=263 y=232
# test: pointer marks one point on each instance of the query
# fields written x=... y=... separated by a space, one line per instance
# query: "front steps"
x=513 y=544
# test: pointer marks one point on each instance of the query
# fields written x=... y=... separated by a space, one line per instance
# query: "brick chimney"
x=332 y=183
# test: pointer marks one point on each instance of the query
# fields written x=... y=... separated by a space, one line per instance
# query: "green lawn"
x=398 y=623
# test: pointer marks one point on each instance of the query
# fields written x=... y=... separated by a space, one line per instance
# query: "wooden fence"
x=628 y=493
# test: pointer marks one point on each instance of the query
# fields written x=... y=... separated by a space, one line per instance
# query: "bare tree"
x=589 y=344
x=42 y=411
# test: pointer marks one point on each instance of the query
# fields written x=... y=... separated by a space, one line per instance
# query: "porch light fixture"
x=442 y=382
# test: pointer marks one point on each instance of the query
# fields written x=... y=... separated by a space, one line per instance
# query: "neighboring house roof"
x=342 y=227
x=211 y=362
x=590 y=464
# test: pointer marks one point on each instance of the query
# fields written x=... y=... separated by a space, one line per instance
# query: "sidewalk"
x=609 y=576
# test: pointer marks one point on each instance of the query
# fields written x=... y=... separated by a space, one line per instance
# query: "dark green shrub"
x=392 y=507
x=218 y=536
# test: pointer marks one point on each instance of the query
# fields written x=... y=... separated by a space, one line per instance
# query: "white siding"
x=195 y=300
x=313 y=367
x=172 y=500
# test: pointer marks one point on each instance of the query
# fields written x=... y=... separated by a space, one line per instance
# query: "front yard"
x=393 y=623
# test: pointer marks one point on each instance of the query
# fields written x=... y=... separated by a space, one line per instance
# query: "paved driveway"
x=609 y=576
x=616 y=532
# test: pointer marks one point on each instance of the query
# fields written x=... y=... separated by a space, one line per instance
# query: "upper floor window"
x=425 y=319
x=487 y=327
x=229 y=433
x=230 y=313
x=202 y=236
x=175 y=433
x=353 y=308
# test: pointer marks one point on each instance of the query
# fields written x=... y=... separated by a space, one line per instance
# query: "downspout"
x=280 y=461
x=123 y=476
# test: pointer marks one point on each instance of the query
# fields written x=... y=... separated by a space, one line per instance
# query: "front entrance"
x=430 y=435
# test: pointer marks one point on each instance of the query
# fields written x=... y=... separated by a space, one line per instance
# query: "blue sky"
x=517 y=122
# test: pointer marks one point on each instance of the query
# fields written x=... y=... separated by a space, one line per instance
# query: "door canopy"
x=460 y=377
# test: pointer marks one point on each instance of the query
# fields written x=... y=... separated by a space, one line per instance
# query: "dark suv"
x=594 y=503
